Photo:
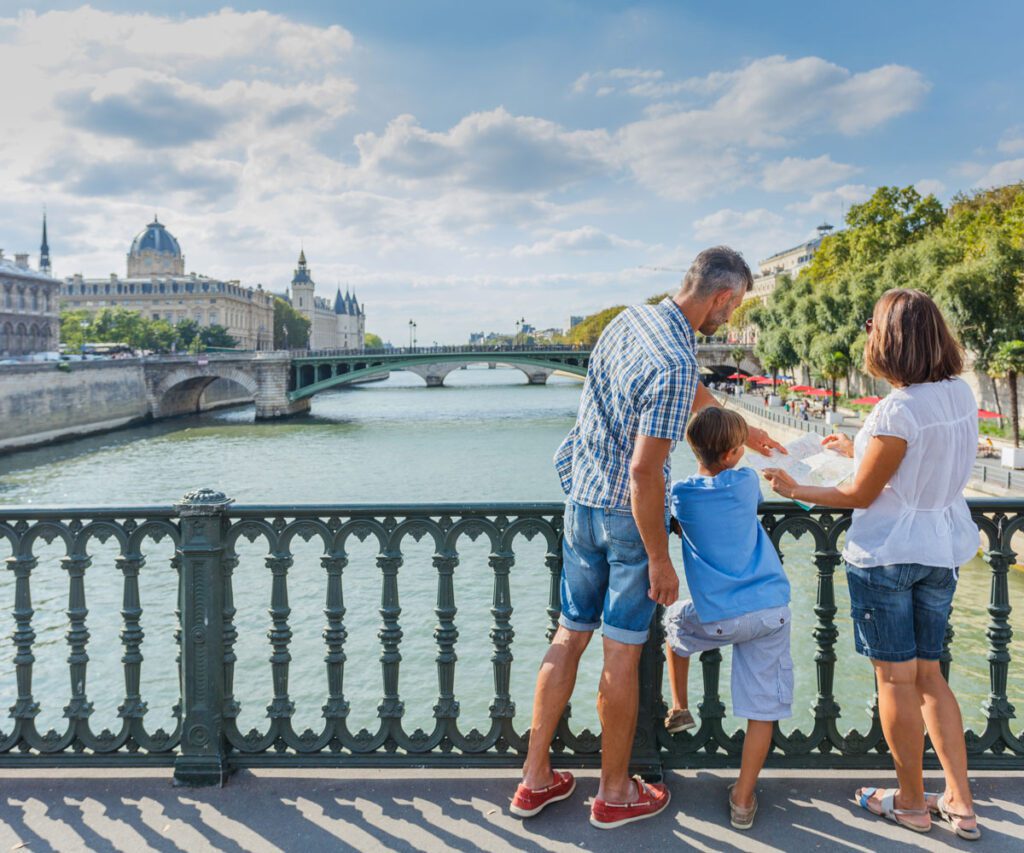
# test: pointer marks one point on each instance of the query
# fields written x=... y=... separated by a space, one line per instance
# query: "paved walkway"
x=425 y=810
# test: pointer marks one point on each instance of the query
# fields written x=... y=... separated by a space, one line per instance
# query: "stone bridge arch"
x=180 y=391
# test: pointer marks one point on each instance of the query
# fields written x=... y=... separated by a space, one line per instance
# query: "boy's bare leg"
x=756 y=744
x=678 y=673
x=555 y=683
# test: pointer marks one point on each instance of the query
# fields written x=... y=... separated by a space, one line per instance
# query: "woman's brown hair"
x=909 y=341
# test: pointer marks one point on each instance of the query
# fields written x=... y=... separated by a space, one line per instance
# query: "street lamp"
x=522 y=329
x=411 y=324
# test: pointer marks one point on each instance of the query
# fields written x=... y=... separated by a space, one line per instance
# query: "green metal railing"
x=206 y=742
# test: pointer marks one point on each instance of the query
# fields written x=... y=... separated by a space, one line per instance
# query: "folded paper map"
x=807 y=462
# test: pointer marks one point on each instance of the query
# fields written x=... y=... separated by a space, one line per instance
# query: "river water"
x=487 y=436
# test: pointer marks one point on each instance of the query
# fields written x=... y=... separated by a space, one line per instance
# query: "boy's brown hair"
x=713 y=432
x=909 y=341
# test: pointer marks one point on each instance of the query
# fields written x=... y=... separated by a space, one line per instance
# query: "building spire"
x=44 y=250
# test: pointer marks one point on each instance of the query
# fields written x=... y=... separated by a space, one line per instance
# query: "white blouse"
x=921 y=515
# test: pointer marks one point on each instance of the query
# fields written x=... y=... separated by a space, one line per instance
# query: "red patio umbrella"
x=820 y=392
x=865 y=401
x=985 y=413
x=737 y=376
x=801 y=389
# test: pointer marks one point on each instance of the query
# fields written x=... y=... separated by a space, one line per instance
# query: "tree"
x=776 y=351
x=587 y=332
x=187 y=332
x=1009 y=358
x=291 y=329
x=737 y=354
x=217 y=336
x=373 y=341
x=833 y=365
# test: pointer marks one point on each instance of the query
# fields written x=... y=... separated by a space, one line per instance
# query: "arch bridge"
x=321 y=370
x=282 y=383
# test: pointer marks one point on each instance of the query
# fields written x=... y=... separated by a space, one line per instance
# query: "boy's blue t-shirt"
x=731 y=565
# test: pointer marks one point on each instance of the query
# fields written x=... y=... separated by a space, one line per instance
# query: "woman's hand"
x=781 y=482
x=840 y=443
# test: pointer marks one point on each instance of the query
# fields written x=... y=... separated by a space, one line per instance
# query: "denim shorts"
x=604 y=574
x=900 y=612
x=762 y=667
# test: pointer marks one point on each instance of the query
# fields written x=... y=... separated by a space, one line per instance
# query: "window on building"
x=213 y=318
x=198 y=317
x=156 y=315
x=35 y=299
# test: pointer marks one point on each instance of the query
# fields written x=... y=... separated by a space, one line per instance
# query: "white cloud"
x=726 y=224
x=1012 y=141
x=493 y=150
x=832 y=202
x=930 y=186
x=797 y=173
x=606 y=82
x=1006 y=172
x=584 y=239
x=688 y=152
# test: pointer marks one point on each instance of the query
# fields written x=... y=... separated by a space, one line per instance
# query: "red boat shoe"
x=651 y=799
x=529 y=801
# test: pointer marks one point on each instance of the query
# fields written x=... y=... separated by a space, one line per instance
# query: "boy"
x=740 y=596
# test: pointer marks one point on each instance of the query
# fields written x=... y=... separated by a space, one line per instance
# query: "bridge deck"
x=421 y=810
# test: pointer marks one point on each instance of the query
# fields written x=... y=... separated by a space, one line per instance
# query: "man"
x=614 y=466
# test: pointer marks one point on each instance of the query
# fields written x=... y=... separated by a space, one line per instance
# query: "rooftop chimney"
x=21 y=261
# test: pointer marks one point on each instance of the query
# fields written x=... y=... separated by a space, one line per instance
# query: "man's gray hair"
x=716 y=269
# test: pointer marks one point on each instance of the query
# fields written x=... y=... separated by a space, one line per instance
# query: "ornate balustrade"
x=207 y=742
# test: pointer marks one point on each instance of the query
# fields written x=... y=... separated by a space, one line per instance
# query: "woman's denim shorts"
x=900 y=612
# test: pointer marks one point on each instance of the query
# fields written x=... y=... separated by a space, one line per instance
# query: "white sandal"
x=888 y=805
x=938 y=806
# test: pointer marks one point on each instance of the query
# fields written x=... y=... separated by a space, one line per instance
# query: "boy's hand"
x=664 y=581
x=759 y=440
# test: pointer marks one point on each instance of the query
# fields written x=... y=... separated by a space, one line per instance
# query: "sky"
x=470 y=164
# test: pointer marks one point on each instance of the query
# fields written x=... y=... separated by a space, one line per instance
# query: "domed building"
x=154 y=251
x=158 y=288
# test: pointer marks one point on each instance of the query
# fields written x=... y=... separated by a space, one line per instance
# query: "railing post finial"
x=202 y=760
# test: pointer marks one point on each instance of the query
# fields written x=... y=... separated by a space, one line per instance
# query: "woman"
x=911 y=529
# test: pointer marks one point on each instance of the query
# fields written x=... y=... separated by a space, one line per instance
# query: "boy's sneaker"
x=741 y=817
x=529 y=801
x=651 y=799
x=679 y=721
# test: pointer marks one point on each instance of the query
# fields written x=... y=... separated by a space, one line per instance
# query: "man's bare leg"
x=617 y=699
x=555 y=683
x=678 y=673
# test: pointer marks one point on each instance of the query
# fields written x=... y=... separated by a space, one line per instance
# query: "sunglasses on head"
x=868 y=325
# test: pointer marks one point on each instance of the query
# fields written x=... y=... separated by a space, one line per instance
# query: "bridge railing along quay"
x=206 y=741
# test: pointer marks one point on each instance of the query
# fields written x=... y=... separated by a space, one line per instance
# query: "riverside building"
x=340 y=324
x=157 y=287
x=29 y=304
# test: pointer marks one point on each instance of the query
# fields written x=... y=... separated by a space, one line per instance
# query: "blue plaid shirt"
x=641 y=380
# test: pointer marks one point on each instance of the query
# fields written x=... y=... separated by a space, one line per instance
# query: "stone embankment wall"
x=40 y=404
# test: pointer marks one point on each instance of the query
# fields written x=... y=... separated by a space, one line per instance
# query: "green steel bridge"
x=320 y=370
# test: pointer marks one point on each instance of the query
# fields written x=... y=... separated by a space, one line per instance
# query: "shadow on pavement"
x=425 y=810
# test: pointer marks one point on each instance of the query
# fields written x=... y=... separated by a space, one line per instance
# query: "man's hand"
x=759 y=440
x=664 y=582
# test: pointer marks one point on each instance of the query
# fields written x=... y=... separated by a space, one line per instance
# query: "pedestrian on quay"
x=911 y=531
x=614 y=467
